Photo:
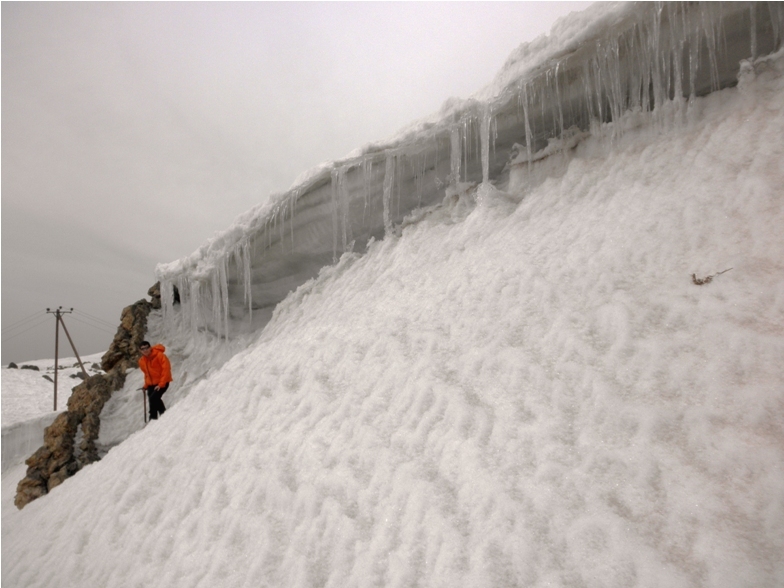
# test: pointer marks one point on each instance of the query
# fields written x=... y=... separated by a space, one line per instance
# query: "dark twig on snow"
x=707 y=280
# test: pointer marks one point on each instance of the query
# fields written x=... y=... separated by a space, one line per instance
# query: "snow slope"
x=522 y=389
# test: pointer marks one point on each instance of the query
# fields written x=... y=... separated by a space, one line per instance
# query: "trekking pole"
x=144 y=399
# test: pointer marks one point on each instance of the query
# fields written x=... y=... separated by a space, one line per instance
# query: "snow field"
x=512 y=394
x=26 y=394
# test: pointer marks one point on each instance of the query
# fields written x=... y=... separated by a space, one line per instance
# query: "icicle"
x=335 y=198
x=389 y=182
x=436 y=181
x=224 y=271
x=709 y=27
x=614 y=65
x=215 y=300
x=341 y=222
x=776 y=11
x=485 y=139
x=281 y=216
x=194 y=288
x=677 y=42
x=493 y=135
x=422 y=172
x=653 y=39
x=528 y=135
x=367 y=178
x=559 y=101
x=247 y=278
x=456 y=155
x=753 y=15
x=197 y=307
x=238 y=255
x=634 y=67
x=344 y=200
x=694 y=52
x=469 y=143
x=186 y=300
x=184 y=317
x=166 y=304
x=398 y=184
x=292 y=199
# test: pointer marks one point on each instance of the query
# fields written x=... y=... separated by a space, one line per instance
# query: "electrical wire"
x=28 y=329
x=7 y=329
x=91 y=325
x=95 y=318
x=20 y=322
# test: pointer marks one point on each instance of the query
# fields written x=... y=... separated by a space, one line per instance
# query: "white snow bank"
x=23 y=438
x=27 y=394
x=532 y=394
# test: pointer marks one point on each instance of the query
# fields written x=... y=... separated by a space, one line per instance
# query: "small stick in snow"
x=708 y=279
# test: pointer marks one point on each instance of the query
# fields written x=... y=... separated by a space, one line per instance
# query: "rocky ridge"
x=60 y=457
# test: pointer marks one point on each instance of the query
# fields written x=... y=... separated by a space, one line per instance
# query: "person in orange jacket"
x=157 y=376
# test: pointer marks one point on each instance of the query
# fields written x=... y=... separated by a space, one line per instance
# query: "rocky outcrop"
x=60 y=457
x=124 y=349
x=155 y=295
x=52 y=463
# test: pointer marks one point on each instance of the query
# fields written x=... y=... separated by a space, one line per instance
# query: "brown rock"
x=57 y=459
x=28 y=490
x=155 y=295
x=130 y=334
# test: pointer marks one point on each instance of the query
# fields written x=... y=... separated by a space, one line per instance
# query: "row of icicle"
x=653 y=74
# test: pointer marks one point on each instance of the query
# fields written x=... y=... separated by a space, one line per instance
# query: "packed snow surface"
x=523 y=389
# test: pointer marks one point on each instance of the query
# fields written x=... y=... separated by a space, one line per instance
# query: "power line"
x=95 y=318
x=101 y=328
x=23 y=322
x=39 y=323
x=20 y=322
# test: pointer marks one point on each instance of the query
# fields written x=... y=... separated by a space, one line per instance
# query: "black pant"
x=156 y=400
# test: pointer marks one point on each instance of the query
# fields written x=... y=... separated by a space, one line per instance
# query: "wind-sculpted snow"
x=521 y=388
x=594 y=67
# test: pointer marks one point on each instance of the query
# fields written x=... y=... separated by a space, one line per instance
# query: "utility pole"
x=58 y=315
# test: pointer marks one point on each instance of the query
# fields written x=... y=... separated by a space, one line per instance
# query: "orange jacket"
x=156 y=367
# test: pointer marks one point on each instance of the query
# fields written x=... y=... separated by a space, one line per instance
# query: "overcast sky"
x=132 y=132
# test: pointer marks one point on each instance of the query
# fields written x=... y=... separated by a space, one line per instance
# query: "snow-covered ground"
x=527 y=391
x=573 y=383
x=27 y=394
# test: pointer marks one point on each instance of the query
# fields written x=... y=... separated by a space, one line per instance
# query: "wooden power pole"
x=58 y=315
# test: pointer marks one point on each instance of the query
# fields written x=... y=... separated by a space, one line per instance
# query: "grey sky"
x=132 y=132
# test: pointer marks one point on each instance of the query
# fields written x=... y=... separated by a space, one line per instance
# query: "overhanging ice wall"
x=631 y=57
